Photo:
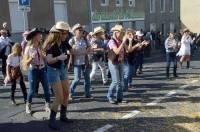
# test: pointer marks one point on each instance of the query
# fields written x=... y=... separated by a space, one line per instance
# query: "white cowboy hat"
x=98 y=30
x=117 y=28
x=54 y=30
x=61 y=25
x=139 y=33
x=76 y=26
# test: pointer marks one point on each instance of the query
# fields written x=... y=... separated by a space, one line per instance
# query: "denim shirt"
x=80 y=50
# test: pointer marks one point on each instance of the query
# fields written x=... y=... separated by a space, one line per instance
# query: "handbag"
x=112 y=56
x=15 y=72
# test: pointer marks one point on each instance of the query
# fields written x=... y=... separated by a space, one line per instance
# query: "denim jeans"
x=129 y=71
x=139 y=62
x=77 y=76
x=35 y=75
x=171 y=56
x=117 y=75
x=102 y=67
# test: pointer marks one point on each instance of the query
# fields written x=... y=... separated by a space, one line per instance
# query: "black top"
x=131 y=57
x=55 y=51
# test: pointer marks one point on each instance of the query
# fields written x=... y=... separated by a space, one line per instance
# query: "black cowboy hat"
x=33 y=33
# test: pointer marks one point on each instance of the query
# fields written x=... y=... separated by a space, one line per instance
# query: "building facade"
x=162 y=15
x=129 y=13
x=157 y=15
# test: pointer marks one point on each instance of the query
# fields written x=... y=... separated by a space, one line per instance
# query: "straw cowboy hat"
x=54 y=30
x=130 y=30
x=91 y=33
x=61 y=25
x=76 y=26
x=139 y=33
x=3 y=31
x=117 y=28
x=32 y=33
x=98 y=30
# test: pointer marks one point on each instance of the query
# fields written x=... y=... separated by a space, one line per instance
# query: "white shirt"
x=4 y=41
x=14 y=61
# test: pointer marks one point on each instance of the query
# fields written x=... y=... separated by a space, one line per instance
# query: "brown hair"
x=51 y=39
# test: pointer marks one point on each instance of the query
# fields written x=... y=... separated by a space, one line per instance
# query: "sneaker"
x=89 y=97
x=13 y=102
x=28 y=108
x=111 y=101
x=122 y=101
x=71 y=98
x=47 y=107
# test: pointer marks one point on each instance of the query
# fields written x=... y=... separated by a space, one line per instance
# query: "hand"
x=62 y=57
x=8 y=78
x=137 y=45
x=94 y=46
x=124 y=39
x=33 y=55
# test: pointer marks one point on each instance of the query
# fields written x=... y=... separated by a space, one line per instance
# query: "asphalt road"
x=155 y=105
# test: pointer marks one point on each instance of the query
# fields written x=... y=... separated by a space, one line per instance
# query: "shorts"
x=56 y=75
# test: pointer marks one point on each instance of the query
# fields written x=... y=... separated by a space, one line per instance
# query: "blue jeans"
x=36 y=75
x=117 y=75
x=171 y=57
x=77 y=77
x=129 y=71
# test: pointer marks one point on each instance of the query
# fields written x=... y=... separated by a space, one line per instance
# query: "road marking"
x=130 y=115
x=194 y=81
x=152 y=104
x=171 y=93
x=104 y=128
x=184 y=86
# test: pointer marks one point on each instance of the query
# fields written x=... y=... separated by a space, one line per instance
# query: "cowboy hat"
x=139 y=33
x=3 y=31
x=98 y=30
x=118 y=28
x=32 y=33
x=54 y=30
x=76 y=26
x=130 y=30
x=61 y=25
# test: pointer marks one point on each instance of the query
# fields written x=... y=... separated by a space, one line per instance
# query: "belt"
x=37 y=66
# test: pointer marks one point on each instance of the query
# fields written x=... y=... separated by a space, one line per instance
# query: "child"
x=14 y=72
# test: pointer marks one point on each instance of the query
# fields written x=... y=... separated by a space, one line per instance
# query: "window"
x=104 y=2
x=152 y=6
x=171 y=5
x=152 y=27
x=163 y=27
x=17 y=18
x=162 y=5
x=119 y=3
x=172 y=27
x=60 y=10
x=131 y=3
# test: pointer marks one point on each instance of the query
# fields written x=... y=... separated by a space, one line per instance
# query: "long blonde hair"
x=15 y=49
x=51 y=39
